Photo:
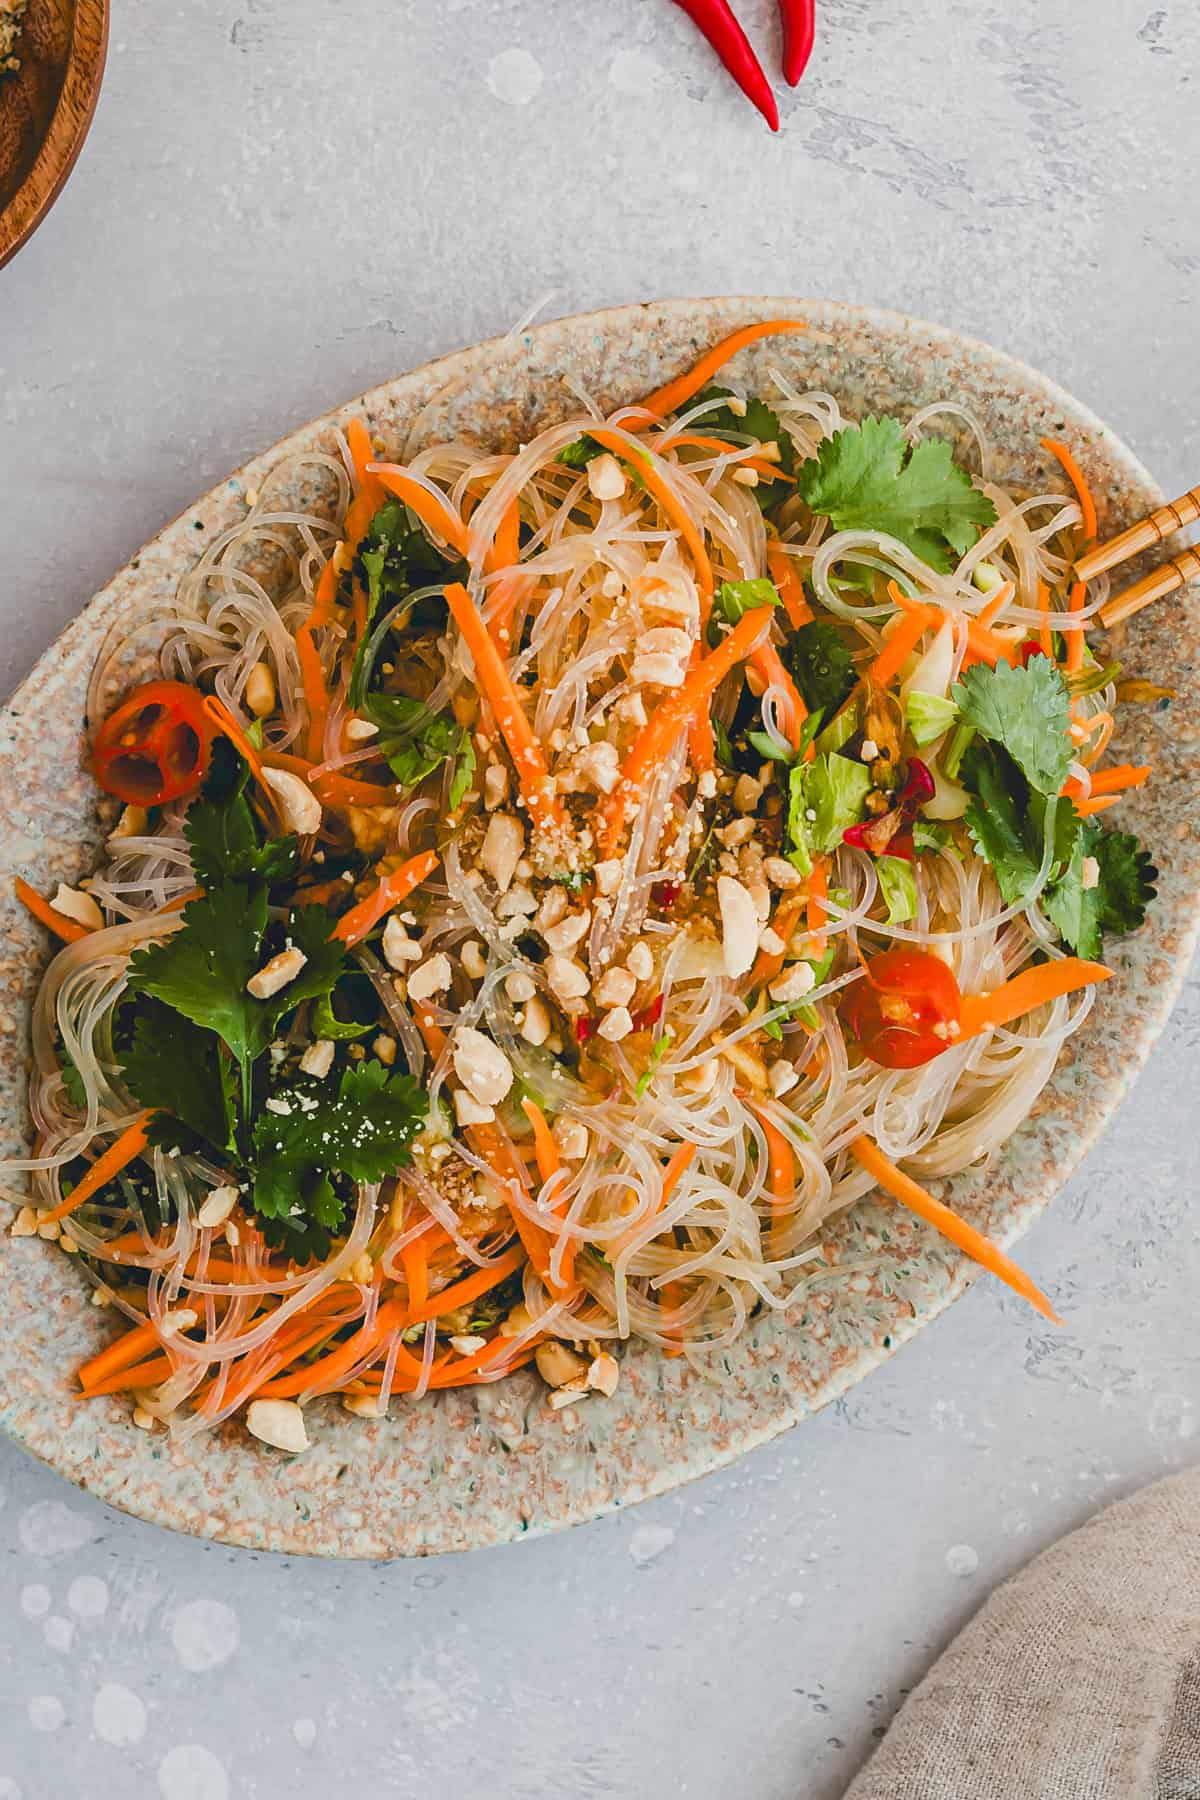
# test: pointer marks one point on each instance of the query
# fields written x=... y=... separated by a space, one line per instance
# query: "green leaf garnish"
x=1024 y=710
x=820 y=662
x=868 y=477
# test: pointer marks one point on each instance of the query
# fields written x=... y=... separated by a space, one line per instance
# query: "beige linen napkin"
x=1079 y=1679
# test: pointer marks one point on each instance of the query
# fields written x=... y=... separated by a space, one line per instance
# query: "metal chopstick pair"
x=1144 y=535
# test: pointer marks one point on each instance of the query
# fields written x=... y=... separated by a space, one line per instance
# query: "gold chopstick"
x=1143 y=536
x=1160 y=581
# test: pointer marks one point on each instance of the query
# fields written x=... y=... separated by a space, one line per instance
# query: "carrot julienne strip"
x=69 y=930
x=529 y=760
x=674 y=510
x=362 y=919
x=944 y=1219
x=1031 y=988
x=1074 y=474
x=674 y=394
x=120 y=1152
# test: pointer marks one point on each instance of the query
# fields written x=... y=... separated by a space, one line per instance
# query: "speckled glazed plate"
x=497 y=1463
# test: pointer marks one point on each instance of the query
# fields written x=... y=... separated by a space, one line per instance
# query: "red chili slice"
x=155 y=747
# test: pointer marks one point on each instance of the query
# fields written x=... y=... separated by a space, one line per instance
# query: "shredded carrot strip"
x=504 y=552
x=415 y=1260
x=674 y=394
x=119 y=1354
x=1111 y=781
x=672 y=1175
x=1075 y=644
x=549 y=1162
x=1085 y=808
x=702 y=748
x=362 y=452
x=459 y=1293
x=529 y=760
x=790 y=586
x=121 y=1151
x=920 y=1201
x=818 y=893
x=681 y=705
x=1087 y=506
x=768 y=963
x=438 y=515
x=1032 y=987
x=674 y=510
x=897 y=648
x=765 y=470
x=781 y=1160
x=995 y=606
x=70 y=930
x=1045 y=639
x=225 y=723
x=1103 y=724
x=328 y=1369
x=146 y=1375
x=362 y=919
x=765 y=660
x=495 y=1148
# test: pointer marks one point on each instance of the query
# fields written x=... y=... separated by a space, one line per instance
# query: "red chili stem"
x=799 y=18
x=716 y=20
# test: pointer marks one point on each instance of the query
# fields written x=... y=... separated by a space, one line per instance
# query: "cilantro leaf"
x=202 y=969
x=396 y=557
x=758 y=422
x=362 y=1131
x=1027 y=711
x=223 y=837
x=177 y=1067
x=1007 y=821
x=310 y=930
x=1122 y=885
x=820 y=662
x=868 y=477
x=736 y=598
x=416 y=741
x=1127 y=877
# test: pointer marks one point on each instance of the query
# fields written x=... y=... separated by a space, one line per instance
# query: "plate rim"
x=1017 y=375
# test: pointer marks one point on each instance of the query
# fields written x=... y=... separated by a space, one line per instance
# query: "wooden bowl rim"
x=69 y=126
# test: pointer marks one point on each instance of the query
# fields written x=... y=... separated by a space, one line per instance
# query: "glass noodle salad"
x=543 y=889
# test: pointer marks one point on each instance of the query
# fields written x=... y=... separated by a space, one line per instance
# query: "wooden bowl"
x=46 y=107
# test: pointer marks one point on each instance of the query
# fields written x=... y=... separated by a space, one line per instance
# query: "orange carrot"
x=460 y=1293
x=920 y=1201
x=1075 y=638
x=70 y=930
x=766 y=471
x=996 y=605
x=505 y=551
x=1110 y=781
x=120 y=1354
x=1045 y=639
x=121 y=1151
x=549 y=1162
x=1087 y=506
x=529 y=760
x=415 y=1260
x=146 y=1375
x=818 y=892
x=327 y=1369
x=362 y=452
x=672 y=1175
x=495 y=1148
x=791 y=588
x=897 y=648
x=362 y=919
x=225 y=723
x=781 y=1161
x=438 y=515
x=1032 y=987
x=681 y=705
x=674 y=394
x=702 y=747
x=674 y=510
x=545 y=1149
x=768 y=963
x=1085 y=808
x=673 y=1297
x=767 y=662
x=312 y=675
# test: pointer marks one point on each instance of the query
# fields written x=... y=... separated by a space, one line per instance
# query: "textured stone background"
x=283 y=202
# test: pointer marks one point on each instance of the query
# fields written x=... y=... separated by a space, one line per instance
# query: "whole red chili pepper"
x=716 y=20
x=799 y=29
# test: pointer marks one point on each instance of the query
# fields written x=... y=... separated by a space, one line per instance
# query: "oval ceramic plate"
x=496 y=1463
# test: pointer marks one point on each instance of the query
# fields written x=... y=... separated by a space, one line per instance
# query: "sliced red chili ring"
x=155 y=747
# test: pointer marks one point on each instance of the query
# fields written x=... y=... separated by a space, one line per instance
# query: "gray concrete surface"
x=283 y=202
